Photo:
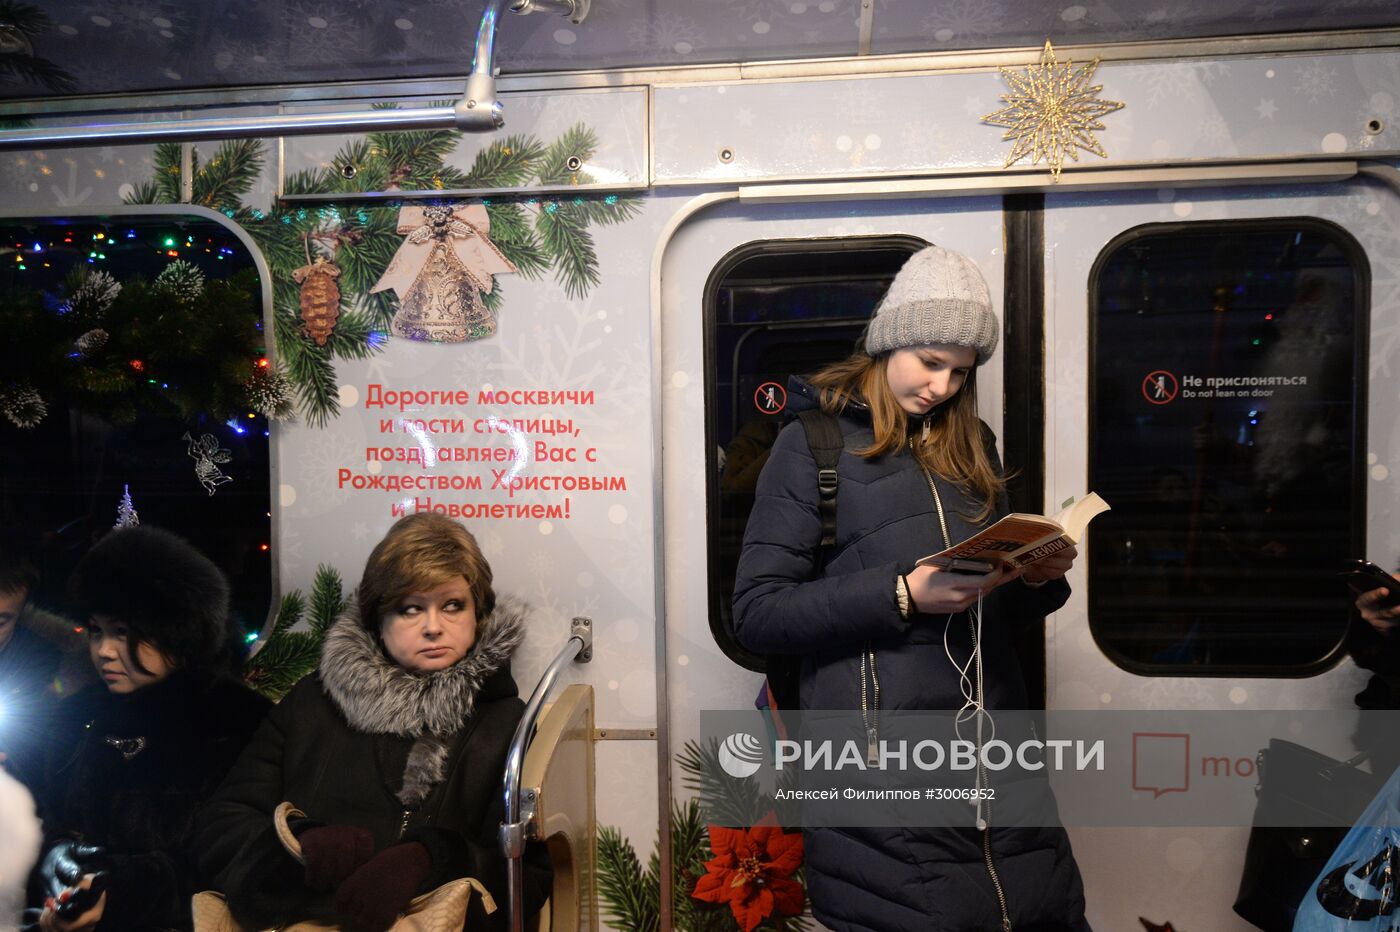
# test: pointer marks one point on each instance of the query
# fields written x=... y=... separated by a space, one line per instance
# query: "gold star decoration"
x=1052 y=111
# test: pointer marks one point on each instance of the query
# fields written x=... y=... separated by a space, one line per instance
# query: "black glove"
x=82 y=900
x=65 y=864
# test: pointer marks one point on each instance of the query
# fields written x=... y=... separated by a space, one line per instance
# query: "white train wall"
x=598 y=380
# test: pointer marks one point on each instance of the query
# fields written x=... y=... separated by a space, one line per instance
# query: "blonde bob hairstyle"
x=420 y=552
x=953 y=446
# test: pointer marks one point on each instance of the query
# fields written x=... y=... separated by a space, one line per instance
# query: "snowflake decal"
x=1315 y=81
x=666 y=33
x=962 y=19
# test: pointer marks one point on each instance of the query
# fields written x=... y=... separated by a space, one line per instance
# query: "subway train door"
x=750 y=295
x=1218 y=367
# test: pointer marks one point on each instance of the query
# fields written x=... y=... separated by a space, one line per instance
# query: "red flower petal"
x=784 y=851
x=787 y=896
x=752 y=911
x=715 y=887
x=723 y=840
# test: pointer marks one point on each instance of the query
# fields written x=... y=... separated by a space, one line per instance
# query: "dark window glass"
x=1225 y=431
x=124 y=383
x=773 y=310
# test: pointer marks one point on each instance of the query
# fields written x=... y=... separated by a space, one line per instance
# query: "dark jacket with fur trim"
x=411 y=757
x=128 y=773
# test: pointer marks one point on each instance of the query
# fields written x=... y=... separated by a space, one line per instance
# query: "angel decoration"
x=445 y=264
x=208 y=456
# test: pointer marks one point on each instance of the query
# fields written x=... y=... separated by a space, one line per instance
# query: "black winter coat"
x=789 y=598
x=364 y=742
x=128 y=772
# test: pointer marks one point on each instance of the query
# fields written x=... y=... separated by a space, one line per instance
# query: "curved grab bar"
x=513 y=829
x=478 y=111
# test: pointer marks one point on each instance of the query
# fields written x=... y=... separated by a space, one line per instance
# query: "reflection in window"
x=774 y=310
x=129 y=345
x=1224 y=433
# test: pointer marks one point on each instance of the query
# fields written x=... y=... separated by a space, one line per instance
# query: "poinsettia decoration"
x=752 y=872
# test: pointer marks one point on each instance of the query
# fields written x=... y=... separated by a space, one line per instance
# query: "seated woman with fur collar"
x=394 y=750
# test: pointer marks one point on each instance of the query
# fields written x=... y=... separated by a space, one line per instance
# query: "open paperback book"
x=1020 y=540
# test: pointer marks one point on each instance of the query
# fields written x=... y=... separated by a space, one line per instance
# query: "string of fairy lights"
x=36 y=253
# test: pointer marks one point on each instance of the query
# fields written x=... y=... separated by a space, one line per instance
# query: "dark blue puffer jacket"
x=790 y=598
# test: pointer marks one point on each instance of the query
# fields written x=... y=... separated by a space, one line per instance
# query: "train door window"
x=1226 y=418
x=130 y=345
x=774 y=309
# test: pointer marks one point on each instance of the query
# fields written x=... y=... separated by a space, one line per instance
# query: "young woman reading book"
x=918 y=473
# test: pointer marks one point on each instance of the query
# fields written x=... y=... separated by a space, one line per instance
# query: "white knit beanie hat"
x=939 y=296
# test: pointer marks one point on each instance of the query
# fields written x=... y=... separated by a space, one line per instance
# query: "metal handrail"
x=478 y=111
x=513 y=831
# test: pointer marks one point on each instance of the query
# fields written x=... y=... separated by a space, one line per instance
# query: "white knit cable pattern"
x=938 y=296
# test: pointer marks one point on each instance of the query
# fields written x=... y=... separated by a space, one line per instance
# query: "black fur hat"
x=167 y=593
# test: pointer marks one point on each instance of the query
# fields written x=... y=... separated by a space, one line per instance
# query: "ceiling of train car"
x=99 y=47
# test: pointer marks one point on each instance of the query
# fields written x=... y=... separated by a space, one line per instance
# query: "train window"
x=1226 y=418
x=774 y=309
x=129 y=344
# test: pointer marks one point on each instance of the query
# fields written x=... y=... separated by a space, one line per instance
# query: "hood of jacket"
x=378 y=696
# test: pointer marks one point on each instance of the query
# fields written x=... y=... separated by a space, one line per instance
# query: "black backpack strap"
x=826 y=443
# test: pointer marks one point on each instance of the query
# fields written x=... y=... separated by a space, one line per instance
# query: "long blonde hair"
x=952 y=448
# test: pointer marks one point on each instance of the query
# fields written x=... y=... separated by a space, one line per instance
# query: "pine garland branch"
x=414 y=158
x=630 y=902
x=32 y=69
x=327 y=599
x=354 y=336
x=144 y=193
x=453 y=178
x=281 y=661
x=381 y=306
x=512 y=233
x=505 y=163
x=553 y=167
x=168 y=158
x=726 y=801
x=610 y=209
x=306 y=181
x=288 y=613
x=369 y=248
x=282 y=245
x=370 y=170
x=25 y=17
x=231 y=173
x=308 y=368
x=564 y=234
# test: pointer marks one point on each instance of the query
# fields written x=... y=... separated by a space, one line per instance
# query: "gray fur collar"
x=378 y=696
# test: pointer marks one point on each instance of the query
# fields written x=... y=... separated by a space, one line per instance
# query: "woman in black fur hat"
x=394 y=749
x=132 y=759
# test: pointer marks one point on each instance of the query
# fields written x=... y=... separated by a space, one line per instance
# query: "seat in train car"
x=558 y=769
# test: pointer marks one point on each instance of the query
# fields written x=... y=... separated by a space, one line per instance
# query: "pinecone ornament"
x=91 y=342
x=320 y=298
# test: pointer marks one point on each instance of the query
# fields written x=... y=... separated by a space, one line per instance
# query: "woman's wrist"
x=902 y=598
x=1034 y=583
